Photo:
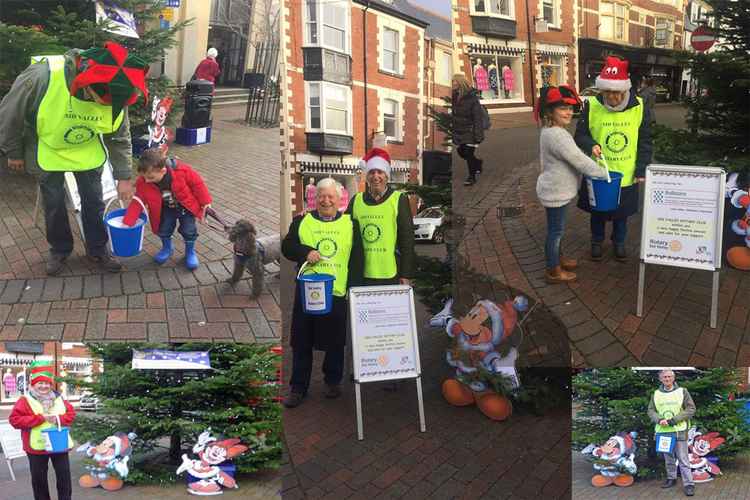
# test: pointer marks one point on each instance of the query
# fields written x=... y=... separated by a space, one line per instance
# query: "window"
x=327 y=24
x=552 y=74
x=497 y=78
x=612 y=21
x=664 y=30
x=444 y=71
x=548 y=9
x=501 y=8
x=328 y=108
x=390 y=50
x=390 y=119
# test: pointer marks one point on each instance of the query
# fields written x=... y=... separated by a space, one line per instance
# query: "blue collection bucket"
x=604 y=194
x=58 y=438
x=125 y=241
x=316 y=291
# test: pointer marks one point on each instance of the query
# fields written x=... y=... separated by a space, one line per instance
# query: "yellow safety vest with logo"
x=333 y=241
x=379 y=229
x=38 y=439
x=617 y=134
x=669 y=404
x=70 y=129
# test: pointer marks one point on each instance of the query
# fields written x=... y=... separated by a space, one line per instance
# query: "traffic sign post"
x=702 y=39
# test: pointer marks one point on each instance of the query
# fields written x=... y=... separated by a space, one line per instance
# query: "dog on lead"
x=252 y=253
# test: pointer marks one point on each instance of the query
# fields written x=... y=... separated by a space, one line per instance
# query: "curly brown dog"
x=252 y=253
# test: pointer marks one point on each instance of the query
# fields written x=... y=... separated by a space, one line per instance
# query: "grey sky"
x=442 y=7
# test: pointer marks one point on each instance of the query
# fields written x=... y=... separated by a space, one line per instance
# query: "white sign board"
x=384 y=333
x=683 y=216
x=10 y=440
x=109 y=186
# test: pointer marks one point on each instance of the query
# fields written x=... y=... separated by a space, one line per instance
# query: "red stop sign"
x=703 y=39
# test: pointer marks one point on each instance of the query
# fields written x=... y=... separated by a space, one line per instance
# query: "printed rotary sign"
x=683 y=216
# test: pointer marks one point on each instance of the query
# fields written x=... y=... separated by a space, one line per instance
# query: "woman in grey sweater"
x=562 y=164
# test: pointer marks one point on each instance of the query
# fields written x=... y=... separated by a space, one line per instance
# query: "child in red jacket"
x=38 y=410
x=172 y=191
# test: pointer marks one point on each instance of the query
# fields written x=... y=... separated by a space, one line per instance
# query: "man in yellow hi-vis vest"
x=68 y=113
x=671 y=409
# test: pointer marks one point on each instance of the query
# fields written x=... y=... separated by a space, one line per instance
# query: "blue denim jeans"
x=555 y=229
x=169 y=218
x=598 y=229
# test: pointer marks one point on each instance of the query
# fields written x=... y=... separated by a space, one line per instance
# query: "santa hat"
x=122 y=443
x=625 y=441
x=378 y=159
x=42 y=371
x=614 y=75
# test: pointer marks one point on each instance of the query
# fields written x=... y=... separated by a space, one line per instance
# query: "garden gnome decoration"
x=614 y=460
x=213 y=468
x=158 y=133
x=111 y=458
x=702 y=464
x=476 y=353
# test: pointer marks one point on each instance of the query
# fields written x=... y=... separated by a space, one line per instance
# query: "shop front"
x=497 y=72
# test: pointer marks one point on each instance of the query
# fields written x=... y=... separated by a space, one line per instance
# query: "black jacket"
x=405 y=256
x=467 y=119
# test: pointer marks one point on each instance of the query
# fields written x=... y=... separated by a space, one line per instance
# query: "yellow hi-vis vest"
x=617 y=134
x=70 y=129
x=669 y=404
x=333 y=240
x=379 y=230
x=38 y=440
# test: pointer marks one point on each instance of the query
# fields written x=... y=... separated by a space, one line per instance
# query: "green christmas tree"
x=168 y=409
x=608 y=401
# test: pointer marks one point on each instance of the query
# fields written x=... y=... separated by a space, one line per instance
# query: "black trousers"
x=59 y=236
x=467 y=153
x=302 y=361
x=39 y=465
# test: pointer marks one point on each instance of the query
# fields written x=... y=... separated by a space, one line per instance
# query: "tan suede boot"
x=568 y=264
x=558 y=275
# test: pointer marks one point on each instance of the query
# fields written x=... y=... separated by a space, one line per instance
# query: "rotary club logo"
x=79 y=134
x=371 y=233
x=675 y=246
x=315 y=295
x=327 y=247
x=383 y=360
x=616 y=142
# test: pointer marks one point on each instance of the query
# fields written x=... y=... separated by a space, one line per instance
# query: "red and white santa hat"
x=625 y=440
x=122 y=443
x=614 y=75
x=378 y=159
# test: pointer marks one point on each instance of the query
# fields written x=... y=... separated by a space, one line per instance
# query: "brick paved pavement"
x=734 y=484
x=599 y=310
x=462 y=454
x=148 y=302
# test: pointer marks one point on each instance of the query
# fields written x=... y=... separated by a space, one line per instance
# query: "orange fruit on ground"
x=739 y=258
x=601 y=481
x=457 y=393
x=88 y=481
x=495 y=406
x=624 y=480
x=112 y=484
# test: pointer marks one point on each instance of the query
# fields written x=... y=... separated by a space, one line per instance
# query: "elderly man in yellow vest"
x=68 y=113
x=671 y=409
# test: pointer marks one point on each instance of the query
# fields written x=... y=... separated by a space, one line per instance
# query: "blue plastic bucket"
x=604 y=196
x=125 y=241
x=316 y=291
x=58 y=439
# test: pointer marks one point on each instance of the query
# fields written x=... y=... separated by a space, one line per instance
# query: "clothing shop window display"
x=10 y=385
x=551 y=71
x=495 y=78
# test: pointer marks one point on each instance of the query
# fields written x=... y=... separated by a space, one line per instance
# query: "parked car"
x=587 y=93
x=428 y=225
x=89 y=402
x=662 y=94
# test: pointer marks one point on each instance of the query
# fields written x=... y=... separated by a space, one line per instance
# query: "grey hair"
x=666 y=371
x=329 y=182
x=212 y=52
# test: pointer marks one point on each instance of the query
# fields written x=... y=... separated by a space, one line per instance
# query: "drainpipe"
x=531 y=57
x=364 y=59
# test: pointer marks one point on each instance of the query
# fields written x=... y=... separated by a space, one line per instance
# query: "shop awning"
x=316 y=167
x=495 y=49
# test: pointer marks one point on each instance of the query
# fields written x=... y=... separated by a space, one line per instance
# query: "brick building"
x=509 y=49
x=70 y=359
x=353 y=72
x=642 y=31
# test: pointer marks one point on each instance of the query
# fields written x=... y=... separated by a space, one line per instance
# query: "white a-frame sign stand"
x=683 y=223
x=385 y=344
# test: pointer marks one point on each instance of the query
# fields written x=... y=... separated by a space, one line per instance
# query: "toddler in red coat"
x=172 y=191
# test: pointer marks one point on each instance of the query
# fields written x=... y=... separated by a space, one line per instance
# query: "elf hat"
x=614 y=75
x=376 y=159
x=113 y=74
x=550 y=97
x=41 y=371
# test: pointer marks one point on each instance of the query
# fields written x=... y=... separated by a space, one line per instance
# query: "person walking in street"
x=468 y=124
x=648 y=94
x=208 y=68
x=70 y=114
x=562 y=164
x=615 y=125
x=43 y=408
x=671 y=409
x=329 y=242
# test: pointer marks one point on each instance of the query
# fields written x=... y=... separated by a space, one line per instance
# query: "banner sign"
x=158 y=359
x=385 y=344
x=121 y=21
x=10 y=440
x=683 y=216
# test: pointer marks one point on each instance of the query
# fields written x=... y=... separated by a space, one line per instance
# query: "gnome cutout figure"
x=703 y=465
x=613 y=461
x=739 y=256
x=213 y=469
x=477 y=350
x=110 y=459
x=158 y=133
